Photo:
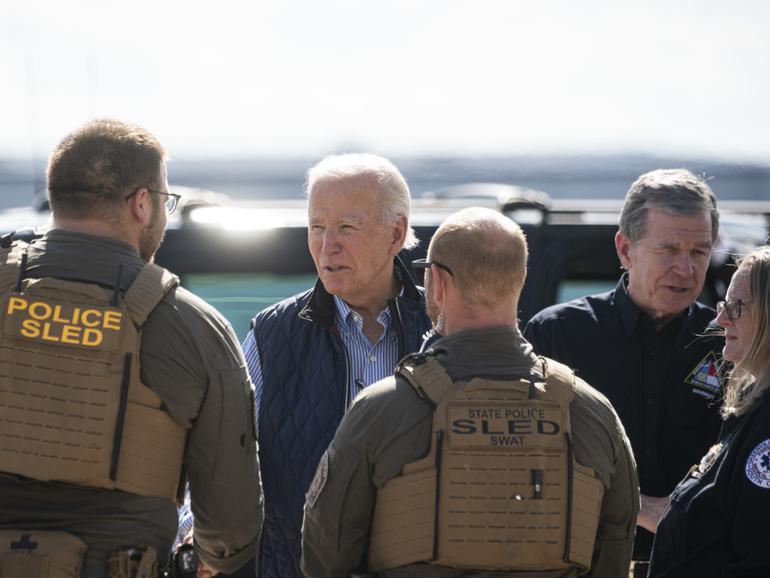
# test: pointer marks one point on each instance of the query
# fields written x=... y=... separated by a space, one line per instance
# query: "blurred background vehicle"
x=243 y=255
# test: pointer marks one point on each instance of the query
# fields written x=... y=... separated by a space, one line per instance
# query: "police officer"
x=478 y=458
x=717 y=523
x=643 y=343
x=116 y=384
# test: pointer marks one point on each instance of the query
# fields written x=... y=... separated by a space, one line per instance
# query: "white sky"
x=396 y=76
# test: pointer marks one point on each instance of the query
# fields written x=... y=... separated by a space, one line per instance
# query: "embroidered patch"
x=319 y=480
x=758 y=465
x=705 y=376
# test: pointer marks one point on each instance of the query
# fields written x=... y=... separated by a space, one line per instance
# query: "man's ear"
x=140 y=206
x=623 y=248
x=438 y=280
x=398 y=235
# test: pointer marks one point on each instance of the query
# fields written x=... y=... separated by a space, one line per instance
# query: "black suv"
x=243 y=256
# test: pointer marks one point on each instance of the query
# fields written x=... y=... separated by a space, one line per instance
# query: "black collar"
x=320 y=308
x=630 y=314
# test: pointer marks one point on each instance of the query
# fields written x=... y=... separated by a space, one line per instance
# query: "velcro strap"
x=560 y=380
x=9 y=265
x=560 y=385
x=147 y=290
x=429 y=378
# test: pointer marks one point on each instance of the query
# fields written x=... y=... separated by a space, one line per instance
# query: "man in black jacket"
x=643 y=344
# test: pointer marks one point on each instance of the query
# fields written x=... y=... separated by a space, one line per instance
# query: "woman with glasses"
x=718 y=520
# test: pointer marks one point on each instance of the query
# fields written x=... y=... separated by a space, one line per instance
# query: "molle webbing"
x=72 y=406
x=147 y=290
x=10 y=256
x=499 y=489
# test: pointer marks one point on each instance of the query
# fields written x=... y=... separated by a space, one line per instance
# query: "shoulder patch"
x=705 y=376
x=319 y=480
x=758 y=465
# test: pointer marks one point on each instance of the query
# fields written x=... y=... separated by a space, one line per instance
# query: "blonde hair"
x=750 y=376
x=487 y=253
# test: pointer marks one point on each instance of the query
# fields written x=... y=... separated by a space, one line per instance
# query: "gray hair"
x=675 y=191
x=396 y=199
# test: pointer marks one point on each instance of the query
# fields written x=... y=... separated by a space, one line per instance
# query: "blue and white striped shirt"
x=369 y=362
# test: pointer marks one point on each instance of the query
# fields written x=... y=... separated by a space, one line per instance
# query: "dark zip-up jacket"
x=305 y=374
x=718 y=522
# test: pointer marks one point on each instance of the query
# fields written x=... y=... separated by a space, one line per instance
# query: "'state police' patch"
x=758 y=465
x=319 y=480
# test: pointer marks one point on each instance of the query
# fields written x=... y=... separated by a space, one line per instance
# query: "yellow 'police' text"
x=62 y=323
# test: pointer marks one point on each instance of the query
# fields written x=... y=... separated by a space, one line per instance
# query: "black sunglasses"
x=424 y=264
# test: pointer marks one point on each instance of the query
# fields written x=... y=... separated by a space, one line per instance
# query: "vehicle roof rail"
x=525 y=205
x=523 y=198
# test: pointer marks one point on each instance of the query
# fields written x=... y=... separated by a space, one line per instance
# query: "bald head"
x=487 y=253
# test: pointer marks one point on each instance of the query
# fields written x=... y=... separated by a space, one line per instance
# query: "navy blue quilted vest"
x=304 y=373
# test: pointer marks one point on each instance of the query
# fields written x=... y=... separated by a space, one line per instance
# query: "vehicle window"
x=570 y=289
x=239 y=296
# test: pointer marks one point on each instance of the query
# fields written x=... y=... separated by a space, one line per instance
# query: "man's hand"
x=651 y=512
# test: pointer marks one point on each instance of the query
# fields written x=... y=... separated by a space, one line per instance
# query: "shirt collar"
x=321 y=308
x=346 y=318
x=629 y=312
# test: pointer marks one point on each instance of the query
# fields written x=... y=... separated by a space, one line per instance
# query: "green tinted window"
x=239 y=296
x=570 y=289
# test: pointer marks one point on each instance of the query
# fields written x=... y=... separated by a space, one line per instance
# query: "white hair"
x=396 y=198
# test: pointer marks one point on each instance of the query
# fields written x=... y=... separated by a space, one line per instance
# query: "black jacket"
x=718 y=523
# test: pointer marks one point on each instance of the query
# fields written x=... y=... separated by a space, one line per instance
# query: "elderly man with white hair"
x=311 y=354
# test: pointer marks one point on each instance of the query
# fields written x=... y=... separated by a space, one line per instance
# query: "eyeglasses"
x=733 y=308
x=172 y=199
x=424 y=265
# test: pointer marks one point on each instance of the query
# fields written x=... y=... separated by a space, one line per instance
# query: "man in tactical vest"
x=116 y=385
x=478 y=458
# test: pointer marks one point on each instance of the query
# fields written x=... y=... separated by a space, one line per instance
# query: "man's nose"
x=330 y=241
x=684 y=265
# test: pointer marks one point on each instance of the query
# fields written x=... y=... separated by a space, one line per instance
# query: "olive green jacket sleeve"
x=600 y=443
x=192 y=359
x=332 y=550
x=373 y=441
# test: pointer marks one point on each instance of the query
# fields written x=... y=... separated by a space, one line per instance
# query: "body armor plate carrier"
x=499 y=489
x=72 y=406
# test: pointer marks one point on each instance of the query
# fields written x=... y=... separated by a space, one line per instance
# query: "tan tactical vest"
x=500 y=489
x=72 y=405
